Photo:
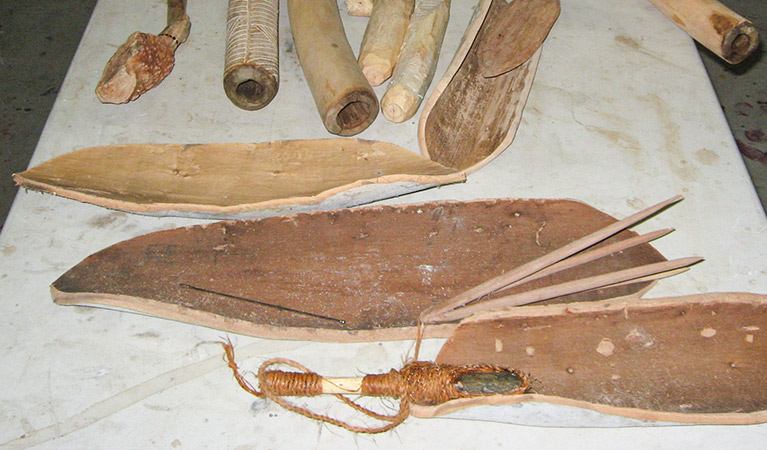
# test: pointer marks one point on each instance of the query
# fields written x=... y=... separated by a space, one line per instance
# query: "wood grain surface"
x=470 y=119
x=692 y=359
x=235 y=180
x=375 y=268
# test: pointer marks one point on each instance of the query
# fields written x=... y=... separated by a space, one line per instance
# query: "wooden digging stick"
x=344 y=98
x=417 y=60
x=144 y=60
x=251 y=63
x=718 y=28
x=383 y=38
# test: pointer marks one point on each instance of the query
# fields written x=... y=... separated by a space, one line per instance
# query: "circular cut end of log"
x=398 y=104
x=250 y=87
x=352 y=114
x=740 y=42
x=376 y=69
x=394 y=113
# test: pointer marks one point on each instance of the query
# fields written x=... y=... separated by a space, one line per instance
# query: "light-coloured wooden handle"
x=417 y=60
x=718 y=28
x=383 y=38
x=342 y=385
x=344 y=98
x=251 y=63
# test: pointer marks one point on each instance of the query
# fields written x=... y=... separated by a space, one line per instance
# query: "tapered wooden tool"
x=251 y=62
x=144 y=60
x=344 y=98
x=348 y=275
x=691 y=359
x=417 y=60
x=469 y=119
x=585 y=284
x=718 y=28
x=383 y=38
x=556 y=256
x=226 y=181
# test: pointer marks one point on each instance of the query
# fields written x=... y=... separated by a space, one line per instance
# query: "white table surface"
x=621 y=115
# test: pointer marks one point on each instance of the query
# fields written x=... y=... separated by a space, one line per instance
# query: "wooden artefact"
x=344 y=98
x=478 y=298
x=470 y=119
x=236 y=180
x=417 y=60
x=692 y=359
x=144 y=60
x=348 y=275
x=515 y=35
x=718 y=28
x=417 y=383
x=359 y=7
x=383 y=38
x=251 y=63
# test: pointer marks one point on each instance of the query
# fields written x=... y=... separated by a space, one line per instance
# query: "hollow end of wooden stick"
x=352 y=114
x=250 y=87
x=740 y=42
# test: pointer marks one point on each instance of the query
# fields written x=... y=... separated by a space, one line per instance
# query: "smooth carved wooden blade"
x=515 y=35
x=692 y=359
x=236 y=180
x=469 y=119
x=375 y=268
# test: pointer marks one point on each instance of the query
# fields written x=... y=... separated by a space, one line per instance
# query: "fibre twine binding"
x=419 y=382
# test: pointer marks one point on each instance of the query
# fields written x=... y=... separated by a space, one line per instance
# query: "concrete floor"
x=742 y=92
x=33 y=65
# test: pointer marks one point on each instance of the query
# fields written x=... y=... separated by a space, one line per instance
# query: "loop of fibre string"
x=284 y=381
x=289 y=381
x=418 y=382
